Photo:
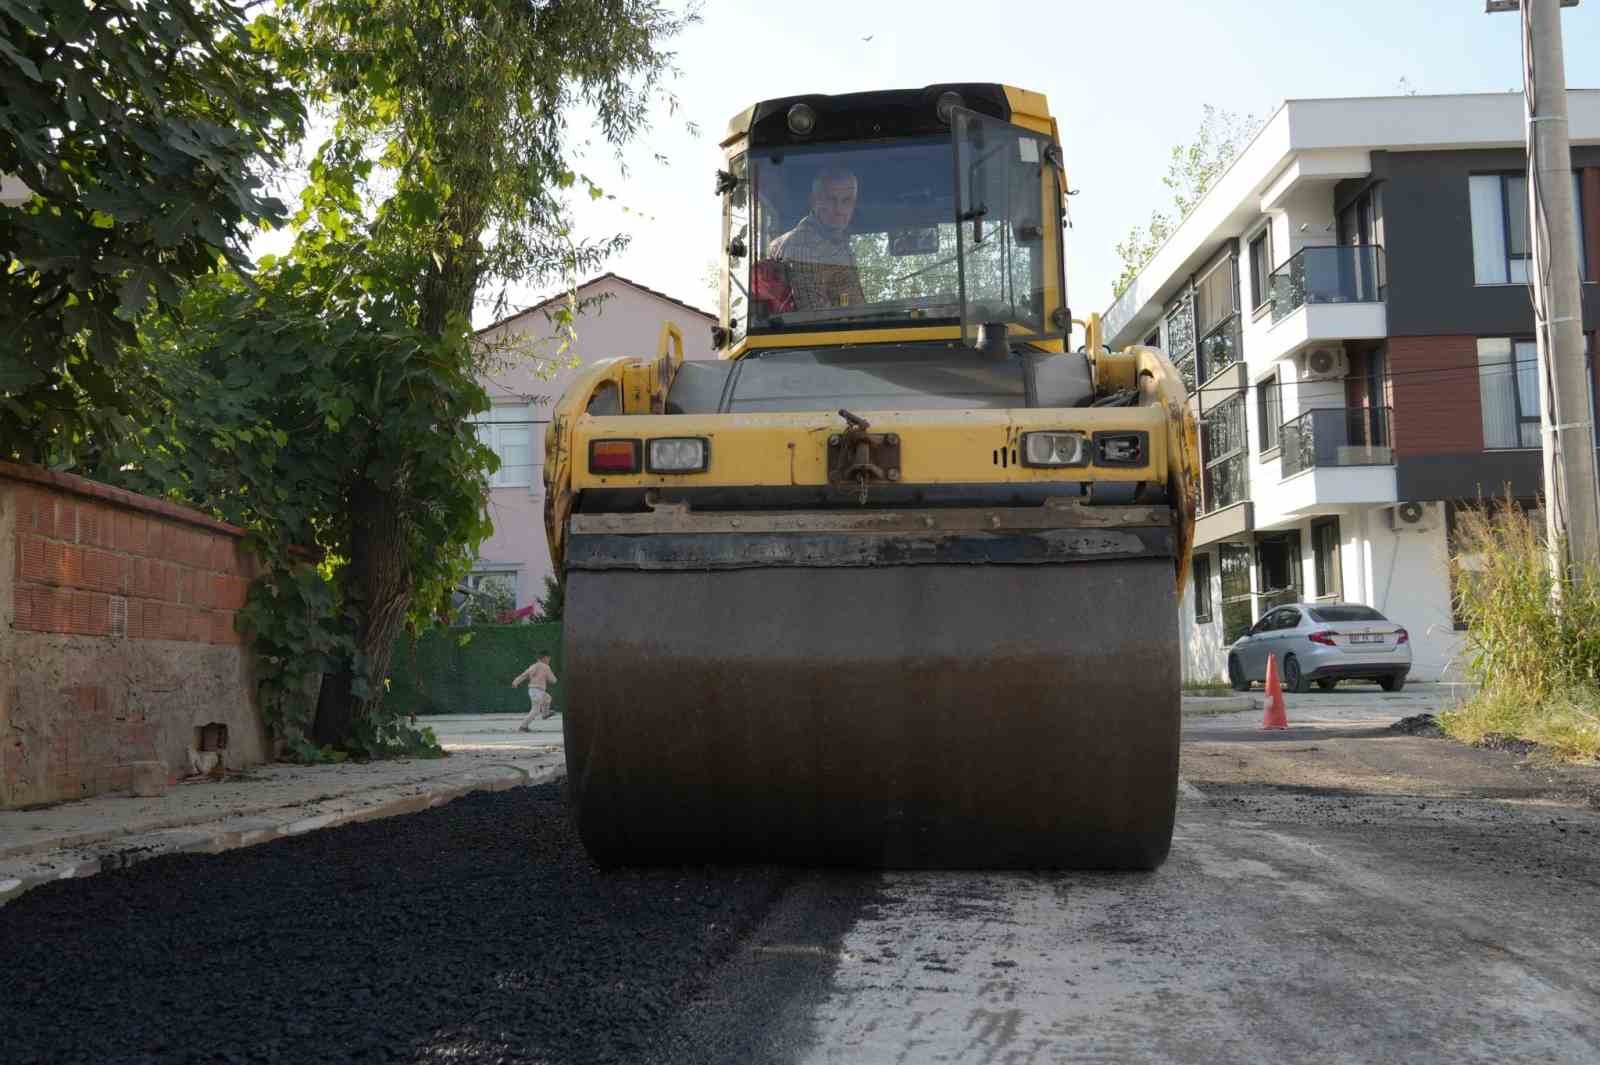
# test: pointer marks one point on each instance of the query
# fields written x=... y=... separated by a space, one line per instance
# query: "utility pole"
x=1566 y=409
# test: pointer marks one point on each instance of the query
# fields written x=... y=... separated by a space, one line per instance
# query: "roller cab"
x=893 y=583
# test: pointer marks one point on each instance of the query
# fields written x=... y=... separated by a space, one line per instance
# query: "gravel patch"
x=475 y=932
x=1418 y=725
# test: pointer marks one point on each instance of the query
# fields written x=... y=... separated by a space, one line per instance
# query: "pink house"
x=620 y=317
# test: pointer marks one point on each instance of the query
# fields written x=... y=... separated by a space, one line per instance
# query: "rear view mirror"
x=914 y=240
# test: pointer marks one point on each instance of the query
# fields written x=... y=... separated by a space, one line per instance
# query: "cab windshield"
x=858 y=235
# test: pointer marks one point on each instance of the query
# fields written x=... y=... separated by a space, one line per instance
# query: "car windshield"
x=1346 y=612
x=866 y=234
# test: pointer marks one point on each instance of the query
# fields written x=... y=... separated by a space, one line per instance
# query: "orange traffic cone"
x=1276 y=715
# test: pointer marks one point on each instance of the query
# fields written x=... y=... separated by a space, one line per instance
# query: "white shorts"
x=538 y=698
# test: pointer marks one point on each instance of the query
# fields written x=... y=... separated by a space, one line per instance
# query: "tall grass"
x=1533 y=636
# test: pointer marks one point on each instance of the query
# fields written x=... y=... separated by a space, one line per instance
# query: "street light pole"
x=1566 y=409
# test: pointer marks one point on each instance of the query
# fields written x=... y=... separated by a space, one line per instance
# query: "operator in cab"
x=820 y=265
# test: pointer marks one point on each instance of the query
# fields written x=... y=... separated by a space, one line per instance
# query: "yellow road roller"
x=893 y=583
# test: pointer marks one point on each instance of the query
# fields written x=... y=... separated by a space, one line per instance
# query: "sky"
x=1125 y=80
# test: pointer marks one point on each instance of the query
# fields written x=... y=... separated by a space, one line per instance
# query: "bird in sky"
x=869 y=37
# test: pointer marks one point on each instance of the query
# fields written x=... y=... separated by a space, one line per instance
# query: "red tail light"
x=1404 y=636
x=613 y=456
x=1325 y=637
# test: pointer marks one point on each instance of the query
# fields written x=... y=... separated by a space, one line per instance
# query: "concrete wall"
x=532 y=375
x=117 y=637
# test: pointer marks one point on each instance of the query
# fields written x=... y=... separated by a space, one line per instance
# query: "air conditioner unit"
x=1322 y=362
x=1411 y=517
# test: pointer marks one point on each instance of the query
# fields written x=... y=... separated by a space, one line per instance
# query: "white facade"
x=618 y=317
x=1283 y=185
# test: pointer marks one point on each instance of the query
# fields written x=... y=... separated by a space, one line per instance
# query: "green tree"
x=141 y=131
x=553 y=604
x=1191 y=170
x=447 y=171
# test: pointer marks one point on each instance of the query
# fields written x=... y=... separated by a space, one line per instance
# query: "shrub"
x=1533 y=636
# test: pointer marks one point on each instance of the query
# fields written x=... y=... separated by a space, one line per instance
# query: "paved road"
x=1337 y=893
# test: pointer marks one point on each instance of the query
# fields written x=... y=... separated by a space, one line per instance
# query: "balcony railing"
x=1336 y=436
x=1221 y=347
x=1342 y=273
x=1227 y=481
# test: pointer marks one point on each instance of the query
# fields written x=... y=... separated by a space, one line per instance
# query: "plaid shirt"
x=821 y=267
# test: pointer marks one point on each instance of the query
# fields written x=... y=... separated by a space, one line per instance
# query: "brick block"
x=205 y=590
x=138 y=534
x=199 y=627
x=31 y=564
x=119 y=617
x=90 y=520
x=150 y=625
x=186 y=582
x=234 y=593
x=35 y=511
x=101 y=571
x=42 y=609
x=90 y=614
x=169 y=583
x=221 y=560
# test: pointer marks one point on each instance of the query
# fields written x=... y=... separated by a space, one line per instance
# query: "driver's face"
x=834 y=202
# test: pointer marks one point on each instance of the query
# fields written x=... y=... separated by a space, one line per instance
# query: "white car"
x=1322 y=644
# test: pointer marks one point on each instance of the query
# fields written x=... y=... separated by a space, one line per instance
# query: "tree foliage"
x=1191 y=170
x=312 y=409
x=142 y=130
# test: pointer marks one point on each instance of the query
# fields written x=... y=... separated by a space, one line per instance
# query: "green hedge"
x=443 y=675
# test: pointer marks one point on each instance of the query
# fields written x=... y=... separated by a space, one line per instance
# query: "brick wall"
x=1434 y=389
x=117 y=636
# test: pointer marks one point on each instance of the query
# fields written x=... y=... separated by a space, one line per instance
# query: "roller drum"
x=915 y=716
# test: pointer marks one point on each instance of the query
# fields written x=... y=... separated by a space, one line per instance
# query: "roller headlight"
x=1055 y=449
x=678 y=454
x=802 y=120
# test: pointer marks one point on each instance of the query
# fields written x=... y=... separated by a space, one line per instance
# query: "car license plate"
x=1362 y=637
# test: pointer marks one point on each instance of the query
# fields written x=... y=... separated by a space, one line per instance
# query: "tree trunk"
x=378 y=582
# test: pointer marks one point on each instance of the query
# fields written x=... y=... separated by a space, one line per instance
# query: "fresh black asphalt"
x=477 y=932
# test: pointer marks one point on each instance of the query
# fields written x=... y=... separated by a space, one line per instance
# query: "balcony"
x=1336 y=436
x=1342 y=273
x=1331 y=457
x=1324 y=293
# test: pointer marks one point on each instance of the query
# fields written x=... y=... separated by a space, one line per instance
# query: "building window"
x=487 y=594
x=1260 y=268
x=1222 y=443
x=1216 y=312
x=1180 y=337
x=1269 y=406
x=1154 y=339
x=1325 y=558
x=507 y=430
x=1508 y=389
x=1278 y=556
x=1237 y=602
x=1202 y=588
x=1501 y=249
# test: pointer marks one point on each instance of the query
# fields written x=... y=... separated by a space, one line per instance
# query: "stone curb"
x=247 y=830
x=1218 y=704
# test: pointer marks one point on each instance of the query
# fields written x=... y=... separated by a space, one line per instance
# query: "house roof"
x=609 y=275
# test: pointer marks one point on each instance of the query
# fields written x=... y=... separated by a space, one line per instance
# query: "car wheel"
x=1392 y=683
x=1293 y=679
x=1236 y=677
x=1327 y=684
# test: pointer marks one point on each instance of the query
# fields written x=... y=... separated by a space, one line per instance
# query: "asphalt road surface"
x=1338 y=893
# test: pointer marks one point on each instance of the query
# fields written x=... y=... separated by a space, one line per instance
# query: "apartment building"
x=1349 y=306
x=530 y=372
